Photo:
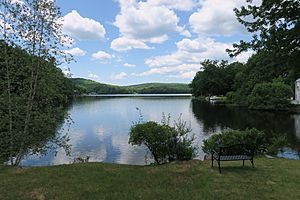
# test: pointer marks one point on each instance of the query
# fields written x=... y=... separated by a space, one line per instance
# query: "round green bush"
x=250 y=137
x=165 y=143
x=270 y=96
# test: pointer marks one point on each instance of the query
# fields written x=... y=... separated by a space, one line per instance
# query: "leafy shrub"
x=251 y=137
x=236 y=98
x=229 y=97
x=166 y=143
x=275 y=96
x=276 y=143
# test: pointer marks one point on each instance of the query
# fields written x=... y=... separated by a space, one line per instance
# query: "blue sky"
x=129 y=41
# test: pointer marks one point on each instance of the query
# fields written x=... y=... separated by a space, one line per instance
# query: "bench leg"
x=219 y=163
x=252 y=162
x=243 y=163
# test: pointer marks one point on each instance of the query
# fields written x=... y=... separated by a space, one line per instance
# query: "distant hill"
x=88 y=86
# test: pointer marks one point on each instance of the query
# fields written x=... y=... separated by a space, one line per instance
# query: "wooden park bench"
x=234 y=152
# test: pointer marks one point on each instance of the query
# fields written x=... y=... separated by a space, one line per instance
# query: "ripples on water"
x=101 y=126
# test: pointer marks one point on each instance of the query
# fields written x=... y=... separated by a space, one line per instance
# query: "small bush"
x=251 y=137
x=165 y=143
x=276 y=143
x=272 y=96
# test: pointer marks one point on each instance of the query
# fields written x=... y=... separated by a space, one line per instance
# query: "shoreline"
x=135 y=95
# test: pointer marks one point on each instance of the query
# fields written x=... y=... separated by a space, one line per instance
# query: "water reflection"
x=216 y=117
x=41 y=136
x=297 y=125
x=101 y=126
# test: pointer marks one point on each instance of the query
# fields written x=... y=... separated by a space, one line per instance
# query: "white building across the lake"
x=297 y=91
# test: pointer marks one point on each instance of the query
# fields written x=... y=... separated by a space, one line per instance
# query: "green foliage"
x=88 y=86
x=217 y=78
x=34 y=89
x=231 y=97
x=250 y=137
x=53 y=93
x=274 y=96
x=275 y=26
x=274 y=58
x=252 y=84
x=160 y=88
x=276 y=144
x=237 y=98
x=165 y=143
x=154 y=137
x=260 y=68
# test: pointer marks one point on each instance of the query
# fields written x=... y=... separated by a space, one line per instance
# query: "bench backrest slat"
x=237 y=149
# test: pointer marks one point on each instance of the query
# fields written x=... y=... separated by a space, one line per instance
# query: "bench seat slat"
x=235 y=157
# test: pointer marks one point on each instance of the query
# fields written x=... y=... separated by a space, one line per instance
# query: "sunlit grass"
x=270 y=179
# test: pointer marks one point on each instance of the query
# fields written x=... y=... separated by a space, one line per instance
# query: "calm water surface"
x=101 y=127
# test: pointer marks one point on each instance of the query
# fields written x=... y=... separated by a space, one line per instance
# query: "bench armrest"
x=215 y=154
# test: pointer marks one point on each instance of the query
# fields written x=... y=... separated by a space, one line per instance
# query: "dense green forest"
x=266 y=80
x=85 y=86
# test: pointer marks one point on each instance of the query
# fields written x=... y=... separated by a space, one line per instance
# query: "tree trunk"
x=33 y=88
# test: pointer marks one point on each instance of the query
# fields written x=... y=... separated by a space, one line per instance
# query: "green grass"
x=270 y=179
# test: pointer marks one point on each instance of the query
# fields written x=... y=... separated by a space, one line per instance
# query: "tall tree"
x=36 y=28
x=43 y=39
x=217 y=78
x=275 y=28
x=8 y=25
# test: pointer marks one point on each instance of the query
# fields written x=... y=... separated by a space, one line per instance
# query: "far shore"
x=136 y=95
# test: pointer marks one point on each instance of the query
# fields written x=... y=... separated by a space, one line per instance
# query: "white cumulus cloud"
x=185 y=75
x=158 y=61
x=216 y=17
x=172 y=69
x=181 y=5
x=75 y=52
x=125 y=44
x=185 y=61
x=119 y=76
x=101 y=56
x=192 y=51
x=82 y=28
x=191 y=45
x=147 y=21
x=129 y=65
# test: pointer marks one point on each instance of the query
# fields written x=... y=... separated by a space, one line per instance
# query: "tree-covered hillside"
x=88 y=86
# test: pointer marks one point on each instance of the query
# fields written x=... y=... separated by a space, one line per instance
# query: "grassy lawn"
x=270 y=179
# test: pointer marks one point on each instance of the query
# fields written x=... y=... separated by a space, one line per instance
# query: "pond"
x=101 y=125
